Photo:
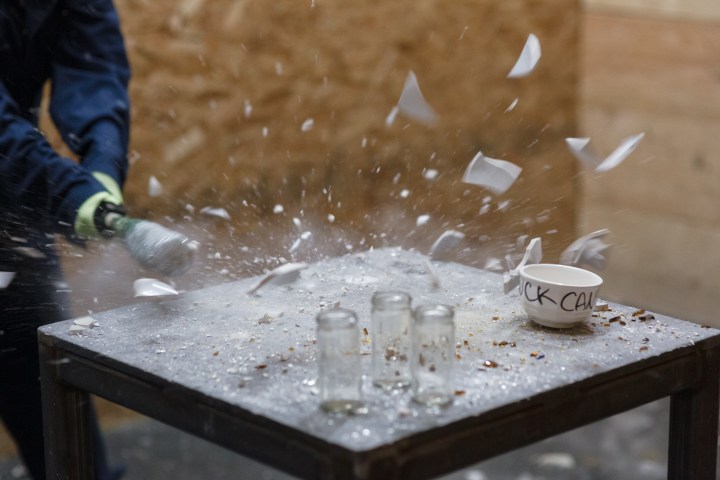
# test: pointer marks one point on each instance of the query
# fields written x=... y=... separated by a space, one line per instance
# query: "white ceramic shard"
x=588 y=250
x=446 y=243
x=215 y=212
x=307 y=125
x=87 y=322
x=413 y=105
x=533 y=254
x=430 y=174
x=493 y=174
x=30 y=252
x=512 y=106
x=6 y=278
x=150 y=287
x=528 y=59
x=155 y=188
x=283 y=274
x=581 y=149
x=278 y=209
x=76 y=330
x=422 y=220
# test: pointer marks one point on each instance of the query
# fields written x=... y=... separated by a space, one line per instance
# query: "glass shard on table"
x=493 y=174
x=528 y=59
x=413 y=105
x=581 y=149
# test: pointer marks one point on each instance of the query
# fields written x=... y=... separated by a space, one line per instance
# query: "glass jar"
x=339 y=370
x=390 y=326
x=433 y=354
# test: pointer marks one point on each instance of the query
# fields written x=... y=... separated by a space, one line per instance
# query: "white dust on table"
x=412 y=104
x=150 y=287
x=588 y=250
x=581 y=149
x=493 y=174
x=528 y=59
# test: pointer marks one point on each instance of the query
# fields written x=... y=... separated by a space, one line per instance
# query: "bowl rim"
x=594 y=280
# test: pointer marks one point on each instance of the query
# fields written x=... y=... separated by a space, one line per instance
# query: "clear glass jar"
x=391 y=314
x=433 y=354
x=339 y=370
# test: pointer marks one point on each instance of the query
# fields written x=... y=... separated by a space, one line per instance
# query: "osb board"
x=209 y=77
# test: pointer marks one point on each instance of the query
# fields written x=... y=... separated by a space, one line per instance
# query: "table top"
x=258 y=353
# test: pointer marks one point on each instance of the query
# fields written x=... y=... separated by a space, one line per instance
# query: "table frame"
x=689 y=375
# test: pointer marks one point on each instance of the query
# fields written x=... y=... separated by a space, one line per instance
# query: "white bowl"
x=558 y=296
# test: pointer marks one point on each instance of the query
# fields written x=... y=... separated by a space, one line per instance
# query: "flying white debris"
x=495 y=175
x=512 y=106
x=587 y=250
x=307 y=125
x=559 y=460
x=6 y=278
x=331 y=217
x=580 y=148
x=30 y=252
x=445 y=243
x=278 y=209
x=215 y=212
x=297 y=222
x=404 y=193
x=533 y=254
x=248 y=109
x=283 y=274
x=434 y=278
x=430 y=174
x=149 y=287
x=413 y=105
x=155 y=189
x=528 y=59
x=422 y=220
x=390 y=119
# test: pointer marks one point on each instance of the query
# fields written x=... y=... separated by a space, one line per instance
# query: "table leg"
x=66 y=421
x=694 y=425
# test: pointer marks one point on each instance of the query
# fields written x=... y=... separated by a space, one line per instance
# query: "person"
x=77 y=46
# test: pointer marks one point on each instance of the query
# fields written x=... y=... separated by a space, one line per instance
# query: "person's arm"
x=33 y=175
x=89 y=101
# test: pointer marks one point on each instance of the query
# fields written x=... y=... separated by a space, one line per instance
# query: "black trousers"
x=35 y=297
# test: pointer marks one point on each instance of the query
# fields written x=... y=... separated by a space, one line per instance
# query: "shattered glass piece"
x=528 y=59
x=533 y=254
x=278 y=209
x=587 y=250
x=413 y=105
x=283 y=274
x=307 y=125
x=422 y=220
x=155 y=188
x=390 y=119
x=445 y=243
x=87 y=322
x=495 y=175
x=215 y=212
x=6 y=278
x=150 y=287
x=581 y=149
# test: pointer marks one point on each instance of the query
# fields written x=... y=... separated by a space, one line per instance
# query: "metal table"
x=239 y=370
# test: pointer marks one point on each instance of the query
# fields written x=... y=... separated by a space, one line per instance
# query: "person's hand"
x=86 y=222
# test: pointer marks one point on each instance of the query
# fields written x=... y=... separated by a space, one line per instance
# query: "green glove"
x=85 y=221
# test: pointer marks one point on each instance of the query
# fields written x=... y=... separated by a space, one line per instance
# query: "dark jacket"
x=78 y=46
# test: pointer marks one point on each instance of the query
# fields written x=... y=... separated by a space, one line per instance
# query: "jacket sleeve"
x=89 y=101
x=33 y=176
